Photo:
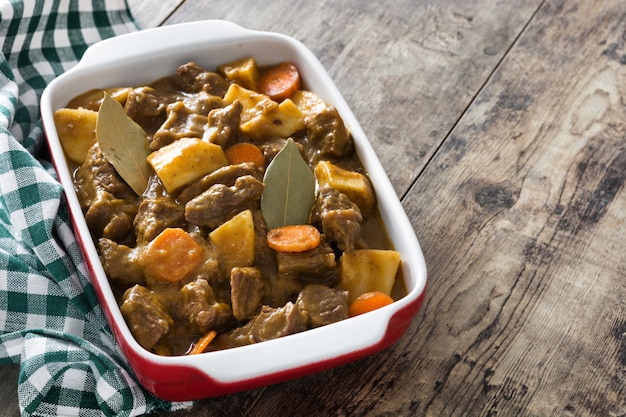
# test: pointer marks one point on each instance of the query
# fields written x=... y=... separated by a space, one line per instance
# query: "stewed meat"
x=327 y=132
x=226 y=175
x=322 y=304
x=316 y=265
x=222 y=125
x=192 y=78
x=269 y=323
x=147 y=317
x=199 y=309
x=186 y=118
x=340 y=218
x=110 y=205
x=146 y=106
x=219 y=203
x=121 y=263
x=247 y=287
x=155 y=215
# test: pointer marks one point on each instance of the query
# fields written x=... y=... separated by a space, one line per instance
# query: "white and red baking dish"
x=144 y=56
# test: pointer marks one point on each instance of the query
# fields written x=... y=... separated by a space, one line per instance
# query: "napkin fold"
x=50 y=320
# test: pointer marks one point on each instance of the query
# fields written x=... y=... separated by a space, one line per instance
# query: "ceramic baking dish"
x=141 y=57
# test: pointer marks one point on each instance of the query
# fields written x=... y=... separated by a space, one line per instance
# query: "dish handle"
x=150 y=41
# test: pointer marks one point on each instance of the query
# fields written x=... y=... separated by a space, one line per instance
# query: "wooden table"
x=502 y=126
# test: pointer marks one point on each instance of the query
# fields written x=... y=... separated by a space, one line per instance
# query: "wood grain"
x=150 y=14
x=525 y=242
x=408 y=69
x=8 y=393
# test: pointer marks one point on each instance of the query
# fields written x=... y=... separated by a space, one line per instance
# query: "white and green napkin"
x=50 y=320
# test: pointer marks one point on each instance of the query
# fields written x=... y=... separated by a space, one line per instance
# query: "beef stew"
x=189 y=254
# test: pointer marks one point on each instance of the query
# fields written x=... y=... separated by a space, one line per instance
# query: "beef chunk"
x=269 y=323
x=271 y=147
x=323 y=305
x=202 y=103
x=226 y=175
x=199 y=309
x=110 y=205
x=281 y=289
x=155 y=215
x=110 y=217
x=219 y=203
x=263 y=254
x=327 y=132
x=192 y=78
x=146 y=107
x=209 y=269
x=120 y=263
x=96 y=172
x=246 y=291
x=146 y=316
x=144 y=102
x=316 y=265
x=186 y=118
x=180 y=123
x=340 y=218
x=223 y=124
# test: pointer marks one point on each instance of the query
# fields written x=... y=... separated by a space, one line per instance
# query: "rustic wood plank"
x=8 y=393
x=408 y=69
x=149 y=14
x=522 y=215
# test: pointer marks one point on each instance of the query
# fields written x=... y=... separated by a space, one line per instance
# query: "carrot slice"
x=279 y=81
x=369 y=301
x=245 y=152
x=294 y=238
x=203 y=342
x=171 y=255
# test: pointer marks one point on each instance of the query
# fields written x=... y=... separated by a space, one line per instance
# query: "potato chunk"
x=77 y=131
x=186 y=160
x=92 y=99
x=234 y=241
x=353 y=184
x=244 y=72
x=262 y=117
x=308 y=102
x=365 y=270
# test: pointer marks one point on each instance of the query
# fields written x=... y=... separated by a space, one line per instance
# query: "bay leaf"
x=289 y=192
x=123 y=143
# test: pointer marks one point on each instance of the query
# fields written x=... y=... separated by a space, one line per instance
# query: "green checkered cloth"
x=50 y=320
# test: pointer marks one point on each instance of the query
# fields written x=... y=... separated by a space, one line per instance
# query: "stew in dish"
x=228 y=206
